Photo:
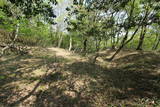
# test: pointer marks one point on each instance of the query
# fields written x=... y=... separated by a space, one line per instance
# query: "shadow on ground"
x=20 y=76
x=136 y=77
x=133 y=82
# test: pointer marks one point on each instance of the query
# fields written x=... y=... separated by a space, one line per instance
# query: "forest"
x=79 y=53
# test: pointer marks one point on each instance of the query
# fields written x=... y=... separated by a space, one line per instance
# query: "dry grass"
x=57 y=78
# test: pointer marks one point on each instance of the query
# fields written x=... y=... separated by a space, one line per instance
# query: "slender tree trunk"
x=16 y=33
x=157 y=41
x=124 y=42
x=122 y=45
x=113 y=42
x=141 y=39
x=98 y=44
x=117 y=41
x=60 y=40
x=105 y=44
x=157 y=44
x=119 y=49
x=70 y=43
x=84 y=45
x=51 y=35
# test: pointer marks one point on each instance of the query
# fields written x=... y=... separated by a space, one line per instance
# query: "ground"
x=53 y=77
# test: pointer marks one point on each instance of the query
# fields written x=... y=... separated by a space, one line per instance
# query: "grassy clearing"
x=58 y=78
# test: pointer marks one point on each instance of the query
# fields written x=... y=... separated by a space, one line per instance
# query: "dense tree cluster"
x=120 y=21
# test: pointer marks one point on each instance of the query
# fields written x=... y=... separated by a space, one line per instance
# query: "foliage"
x=103 y=24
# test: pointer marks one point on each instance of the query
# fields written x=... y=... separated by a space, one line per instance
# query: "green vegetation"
x=89 y=53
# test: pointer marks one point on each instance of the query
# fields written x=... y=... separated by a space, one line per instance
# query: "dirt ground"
x=55 y=77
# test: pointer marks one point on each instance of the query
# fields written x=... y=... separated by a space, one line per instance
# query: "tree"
x=20 y=9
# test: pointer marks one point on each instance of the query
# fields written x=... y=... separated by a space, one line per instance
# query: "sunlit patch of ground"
x=54 y=77
x=66 y=54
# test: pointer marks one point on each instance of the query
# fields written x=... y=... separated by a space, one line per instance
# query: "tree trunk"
x=106 y=44
x=70 y=43
x=84 y=45
x=113 y=42
x=141 y=39
x=98 y=41
x=60 y=40
x=117 y=39
x=119 y=49
x=157 y=44
x=157 y=41
x=51 y=35
x=124 y=42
